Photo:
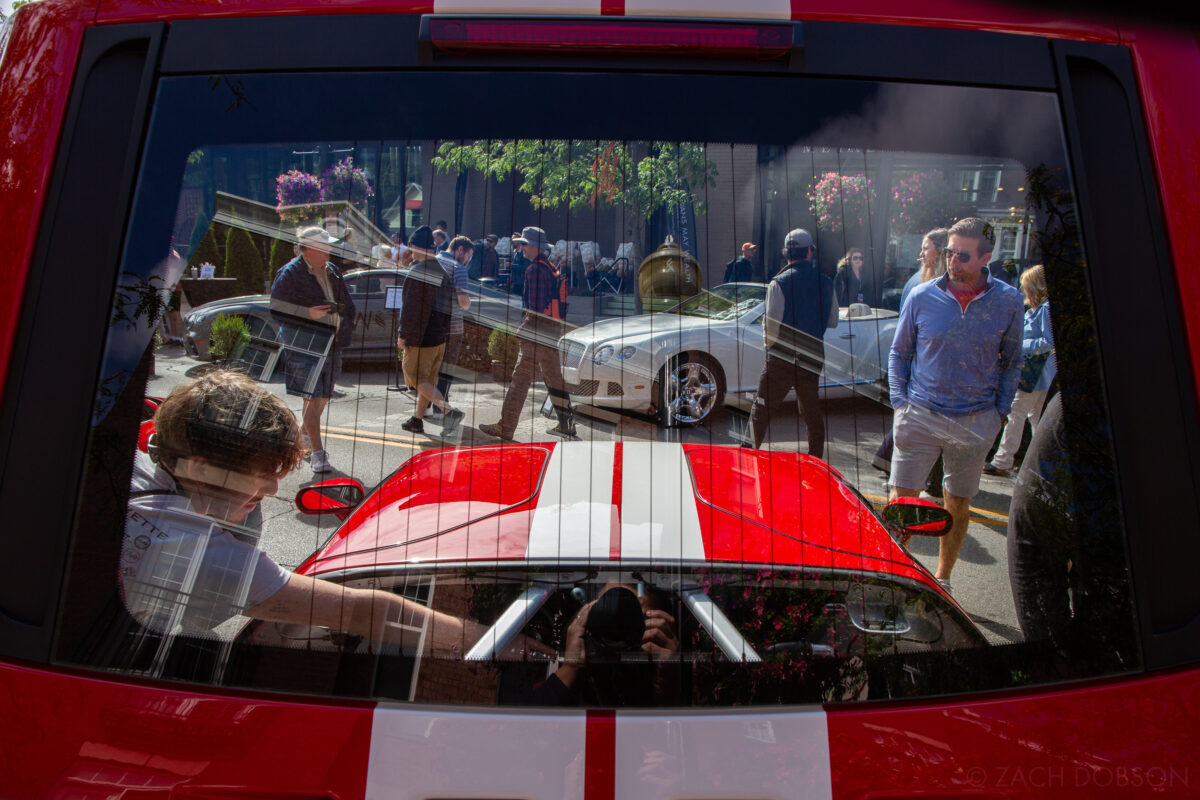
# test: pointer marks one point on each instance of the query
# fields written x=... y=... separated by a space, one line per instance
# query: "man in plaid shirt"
x=539 y=333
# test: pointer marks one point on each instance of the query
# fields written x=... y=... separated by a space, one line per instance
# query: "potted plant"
x=503 y=347
x=229 y=337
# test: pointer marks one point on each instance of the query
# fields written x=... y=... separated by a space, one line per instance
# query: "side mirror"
x=337 y=496
x=909 y=516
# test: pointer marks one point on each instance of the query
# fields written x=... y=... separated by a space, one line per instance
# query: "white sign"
x=393 y=297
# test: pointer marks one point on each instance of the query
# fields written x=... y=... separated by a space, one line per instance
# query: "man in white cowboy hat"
x=309 y=289
x=539 y=333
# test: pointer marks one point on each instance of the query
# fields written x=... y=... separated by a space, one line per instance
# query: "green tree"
x=243 y=261
x=581 y=173
x=208 y=251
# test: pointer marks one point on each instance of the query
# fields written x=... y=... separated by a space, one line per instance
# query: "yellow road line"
x=981 y=516
x=391 y=441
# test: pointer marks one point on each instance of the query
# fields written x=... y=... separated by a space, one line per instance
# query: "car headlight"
x=602 y=355
x=626 y=352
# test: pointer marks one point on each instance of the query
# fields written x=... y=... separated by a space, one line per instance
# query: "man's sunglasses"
x=961 y=256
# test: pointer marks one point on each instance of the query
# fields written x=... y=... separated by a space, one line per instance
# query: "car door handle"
x=848 y=336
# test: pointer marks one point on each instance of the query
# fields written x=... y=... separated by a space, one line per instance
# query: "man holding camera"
x=599 y=662
x=307 y=289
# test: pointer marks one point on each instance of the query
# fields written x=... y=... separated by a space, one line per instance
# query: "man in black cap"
x=539 y=333
x=800 y=306
x=424 y=328
x=485 y=262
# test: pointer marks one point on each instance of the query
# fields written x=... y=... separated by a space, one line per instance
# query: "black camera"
x=615 y=624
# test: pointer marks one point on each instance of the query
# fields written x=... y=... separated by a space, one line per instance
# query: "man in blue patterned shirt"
x=953 y=371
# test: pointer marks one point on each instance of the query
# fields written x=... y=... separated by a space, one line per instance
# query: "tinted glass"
x=644 y=427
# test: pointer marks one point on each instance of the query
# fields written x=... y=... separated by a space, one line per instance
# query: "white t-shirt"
x=182 y=571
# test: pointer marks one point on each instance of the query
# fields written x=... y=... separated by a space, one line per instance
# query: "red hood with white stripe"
x=608 y=501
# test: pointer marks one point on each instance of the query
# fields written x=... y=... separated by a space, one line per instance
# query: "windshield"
x=686 y=636
x=723 y=303
x=519 y=425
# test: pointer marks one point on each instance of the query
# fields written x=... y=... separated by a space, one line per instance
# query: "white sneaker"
x=320 y=461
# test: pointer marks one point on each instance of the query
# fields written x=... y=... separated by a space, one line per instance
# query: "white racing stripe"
x=659 y=520
x=575 y=517
x=510 y=7
x=419 y=753
x=746 y=754
x=695 y=9
x=710 y=9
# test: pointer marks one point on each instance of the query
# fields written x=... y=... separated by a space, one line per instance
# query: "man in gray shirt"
x=188 y=562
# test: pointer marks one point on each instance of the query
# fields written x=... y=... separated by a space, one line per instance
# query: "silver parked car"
x=682 y=363
x=375 y=324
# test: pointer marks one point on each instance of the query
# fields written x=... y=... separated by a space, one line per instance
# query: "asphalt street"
x=364 y=439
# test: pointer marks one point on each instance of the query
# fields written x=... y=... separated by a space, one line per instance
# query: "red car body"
x=76 y=733
x=522 y=502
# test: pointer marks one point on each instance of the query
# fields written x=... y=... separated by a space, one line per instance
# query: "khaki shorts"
x=963 y=443
x=421 y=365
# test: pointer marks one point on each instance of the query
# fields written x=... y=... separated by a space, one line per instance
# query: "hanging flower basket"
x=298 y=193
x=344 y=181
x=921 y=201
x=842 y=201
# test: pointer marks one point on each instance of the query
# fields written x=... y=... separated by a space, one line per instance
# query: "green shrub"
x=282 y=251
x=199 y=228
x=244 y=262
x=229 y=336
x=207 y=252
x=503 y=346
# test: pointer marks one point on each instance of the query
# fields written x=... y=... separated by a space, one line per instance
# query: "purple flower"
x=296 y=188
x=344 y=181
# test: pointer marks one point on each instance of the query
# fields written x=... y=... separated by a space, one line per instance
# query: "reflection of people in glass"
x=220 y=445
x=1066 y=550
x=932 y=264
x=953 y=372
x=800 y=306
x=597 y=667
x=848 y=281
x=1037 y=371
x=454 y=261
x=741 y=269
x=311 y=287
x=425 y=311
x=539 y=332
